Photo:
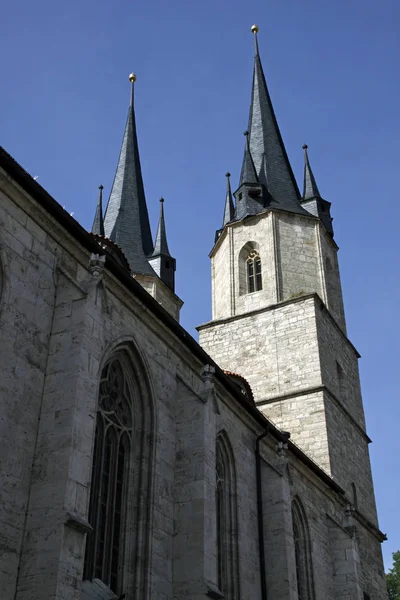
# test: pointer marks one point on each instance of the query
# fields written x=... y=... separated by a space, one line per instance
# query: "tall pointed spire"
x=229 y=211
x=126 y=220
x=266 y=144
x=161 y=260
x=161 y=245
x=98 y=223
x=310 y=189
x=248 y=173
x=312 y=200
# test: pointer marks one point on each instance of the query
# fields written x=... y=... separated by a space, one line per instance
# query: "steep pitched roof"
x=266 y=144
x=229 y=211
x=161 y=245
x=248 y=173
x=98 y=222
x=126 y=220
x=310 y=189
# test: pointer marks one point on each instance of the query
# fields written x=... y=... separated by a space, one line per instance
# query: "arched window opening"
x=221 y=522
x=110 y=478
x=250 y=269
x=302 y=549
x=254 y=276
x=226 y=521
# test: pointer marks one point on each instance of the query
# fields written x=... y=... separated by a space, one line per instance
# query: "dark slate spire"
x=310 y=189
x=312 y=200
x=248 y=173
x=229 y=211
x=161 y=260
x=161 y=245
x=126 y=220
x=98 y=223
x=266 y=144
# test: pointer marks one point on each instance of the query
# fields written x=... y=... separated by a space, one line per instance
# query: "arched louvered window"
x=226 y=520
x=254 y=275
x=110 y=478
x=302 y=548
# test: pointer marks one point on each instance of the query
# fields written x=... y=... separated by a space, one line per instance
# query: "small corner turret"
x=312 y=200
x=161 y=260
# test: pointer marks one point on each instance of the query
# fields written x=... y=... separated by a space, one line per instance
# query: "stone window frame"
x=227 y=549
x=250 y=269
x=134 y=569
x=303 y=554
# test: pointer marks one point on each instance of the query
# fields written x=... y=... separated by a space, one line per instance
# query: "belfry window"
x=254 y=276
x=302 y=549
x=112 y=449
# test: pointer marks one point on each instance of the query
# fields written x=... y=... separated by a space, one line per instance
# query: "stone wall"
x=26 y=310
x=62 y=315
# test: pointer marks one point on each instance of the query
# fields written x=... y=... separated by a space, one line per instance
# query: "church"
x=138 y=464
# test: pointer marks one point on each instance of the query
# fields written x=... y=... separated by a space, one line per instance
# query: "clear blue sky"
x=333 y=73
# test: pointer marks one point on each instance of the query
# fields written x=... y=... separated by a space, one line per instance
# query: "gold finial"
x=132 y=77
x=254 y=29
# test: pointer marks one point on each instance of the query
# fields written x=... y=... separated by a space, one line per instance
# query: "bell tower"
x=277 y=308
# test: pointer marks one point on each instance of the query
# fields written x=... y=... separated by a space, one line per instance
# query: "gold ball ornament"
x=254 y=29
x=132 y=77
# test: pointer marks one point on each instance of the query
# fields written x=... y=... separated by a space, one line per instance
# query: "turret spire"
x=161 y=245
x=248 y=173
x=312 y=200
x=161 y=260
x=126 y=220
x=310 y=189
x=229 y=211
x=98 y=223
x=266 y=144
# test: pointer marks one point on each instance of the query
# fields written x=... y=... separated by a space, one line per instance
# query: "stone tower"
x=277 y=308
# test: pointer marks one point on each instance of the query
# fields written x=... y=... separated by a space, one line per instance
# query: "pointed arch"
x=226 y=519
x=118 y=547
x=302 y=547
x=250 y=269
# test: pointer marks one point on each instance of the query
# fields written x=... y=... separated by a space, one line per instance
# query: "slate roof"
x=229 y=211
x=161 y=245
x=310 y=188
x=248 y=173
x=98 y=223
x=267 y=148
x=126 y=220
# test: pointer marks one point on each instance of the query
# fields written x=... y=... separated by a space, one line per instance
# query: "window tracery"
x=110 y=478
x=254 y=276
x=250 y=269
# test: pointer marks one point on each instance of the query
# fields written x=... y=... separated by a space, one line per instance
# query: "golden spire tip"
x=254 y=29
x=132 y=77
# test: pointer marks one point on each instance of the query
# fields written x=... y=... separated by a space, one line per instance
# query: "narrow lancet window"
x=226 y=521
x=112 y=449
x=254 y=275
x=302 y=549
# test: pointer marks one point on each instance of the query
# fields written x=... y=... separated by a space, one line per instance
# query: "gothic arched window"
x=110 y=475
x=117 y=548
x=250 y=271
x=226 y=520
x=254 y=276
x=302 y=548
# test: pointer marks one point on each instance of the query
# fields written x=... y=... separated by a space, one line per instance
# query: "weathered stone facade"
x=65 y=308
